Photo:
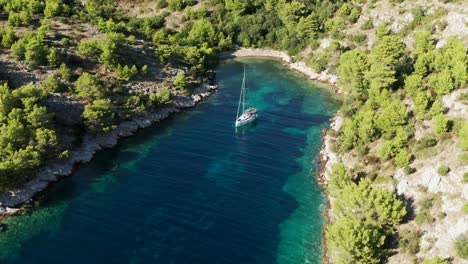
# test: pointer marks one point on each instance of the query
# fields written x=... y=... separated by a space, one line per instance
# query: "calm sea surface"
x=191 y=189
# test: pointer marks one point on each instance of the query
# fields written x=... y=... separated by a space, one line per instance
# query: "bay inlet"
x=193 y=190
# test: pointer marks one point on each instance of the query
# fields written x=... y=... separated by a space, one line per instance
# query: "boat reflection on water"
x=243 y=129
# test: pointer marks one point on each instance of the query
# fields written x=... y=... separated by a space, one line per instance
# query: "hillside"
x=70 y=72
x=397 y=153
x=429 y=171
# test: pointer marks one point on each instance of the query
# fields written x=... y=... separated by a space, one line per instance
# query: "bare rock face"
x=202 y=92
x=67 y=110
x=181 y=101
x=329 y=157
x=24 y=195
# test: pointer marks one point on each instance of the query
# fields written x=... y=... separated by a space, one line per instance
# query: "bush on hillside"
x=443 y=170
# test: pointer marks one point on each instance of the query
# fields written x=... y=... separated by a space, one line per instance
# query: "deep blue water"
x=191 y=189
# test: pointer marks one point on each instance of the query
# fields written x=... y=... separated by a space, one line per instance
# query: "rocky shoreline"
x=327 y=159
x=12 y=201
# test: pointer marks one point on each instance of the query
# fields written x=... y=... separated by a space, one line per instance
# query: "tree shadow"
x=15 y=76
x=409 y=205
x=392 y=242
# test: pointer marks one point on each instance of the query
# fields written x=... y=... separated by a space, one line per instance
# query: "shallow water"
x=191 y=189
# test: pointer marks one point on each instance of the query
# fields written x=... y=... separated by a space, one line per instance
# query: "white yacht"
x=244 y=116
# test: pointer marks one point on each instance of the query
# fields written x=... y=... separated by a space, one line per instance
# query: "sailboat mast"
x=243 y=93
x=241 y=98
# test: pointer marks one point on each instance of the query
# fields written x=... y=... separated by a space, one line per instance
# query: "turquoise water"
x=191 y=189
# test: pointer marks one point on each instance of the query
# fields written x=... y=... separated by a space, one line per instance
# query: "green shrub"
x=176 y=5
x=64 y=154
x=99 y=117
x=64 y=72
x=461 y=245
x=18 y=49
x=126 y=73
x=425 y=142
x=463 y=134
x=36 y=52
x=463 y=97
x=135 y=104
x=65 y=42
x=443 y=170
x=436 y=260
x=180 y=81
x=161 y=97
x=441 y=25
x=429 y=201
x=437 y=108
x=402 y=158
x=382 y=31
x=424 y=217
x=8 y=38
x=144 y=70
x=53 y=57
x=51 y=84
x=88 y=86
x=27 y=137
x=463 y=158
x=441 y=216
x=367 y=25
x=465 y=177
x=440 y=124
x=162 y=4
x=358 y=38
x=408 y=241
x=408 y=170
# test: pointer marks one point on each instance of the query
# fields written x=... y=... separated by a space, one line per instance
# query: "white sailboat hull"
x=248 y=116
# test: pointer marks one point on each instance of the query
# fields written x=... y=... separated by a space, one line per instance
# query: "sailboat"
x=244 y=116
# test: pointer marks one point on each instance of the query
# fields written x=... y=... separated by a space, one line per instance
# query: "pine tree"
x=53 y=57
x=179 y=81
x=98 y=116
x=88 y=86
x=8 y=38
x=352 y=67
x=424 y=42
x=35 y=52
x=421 y=102
x=402 y=158
x=440 y=124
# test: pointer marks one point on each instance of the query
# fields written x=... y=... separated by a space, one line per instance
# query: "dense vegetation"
x=388 y=88
x=27 y=135
x=365 y=216
x=93 y=70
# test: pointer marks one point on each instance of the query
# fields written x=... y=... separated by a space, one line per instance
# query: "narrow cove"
x=191 y=189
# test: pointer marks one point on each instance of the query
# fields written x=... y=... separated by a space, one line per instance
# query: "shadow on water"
x=246 y=128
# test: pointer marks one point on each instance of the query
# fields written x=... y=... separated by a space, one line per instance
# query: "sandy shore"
x=11 y=201
x=298 y=66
